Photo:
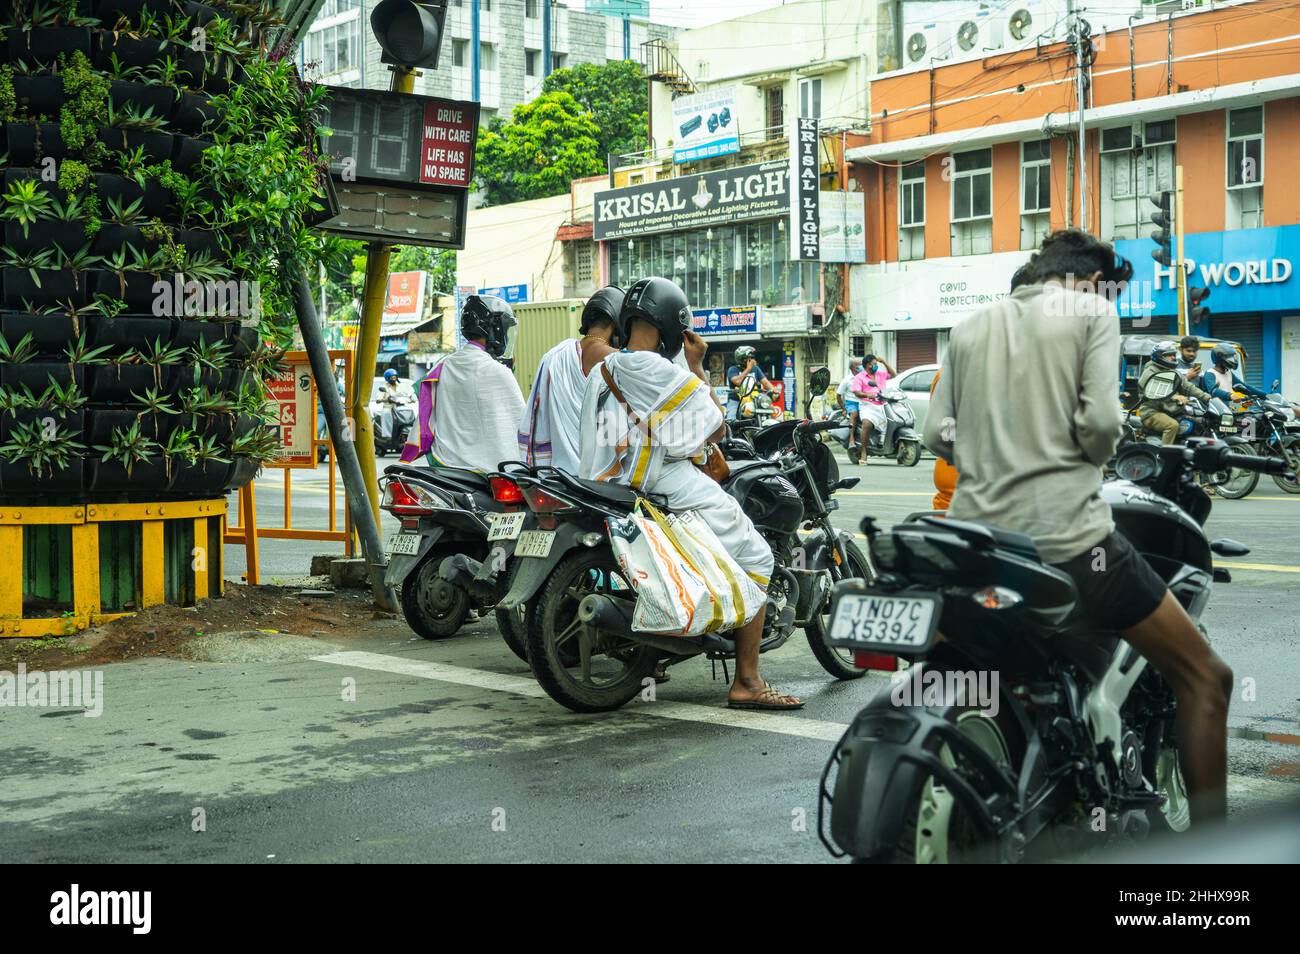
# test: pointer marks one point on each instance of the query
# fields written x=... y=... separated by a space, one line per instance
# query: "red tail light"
x=411 y=500
x=879 y=662
x=539 y=501
x=505 y=490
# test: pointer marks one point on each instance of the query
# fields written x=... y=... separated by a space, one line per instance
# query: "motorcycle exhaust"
x=461 y=572
x=606 y=613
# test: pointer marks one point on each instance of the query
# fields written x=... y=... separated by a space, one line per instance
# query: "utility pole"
x=1181 y=272
x=546 y=38
x=1082 y=35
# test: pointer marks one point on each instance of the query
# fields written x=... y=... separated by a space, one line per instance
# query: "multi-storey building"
x=510 y=36
x=972 y=159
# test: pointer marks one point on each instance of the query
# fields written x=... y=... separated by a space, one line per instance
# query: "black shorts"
x=1117 y=587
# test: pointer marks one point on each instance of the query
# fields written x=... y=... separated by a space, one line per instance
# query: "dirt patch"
x=166 y=630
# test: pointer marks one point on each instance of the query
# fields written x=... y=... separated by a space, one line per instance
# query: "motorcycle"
x=445 y=558
x=1268 y=426
x=1075 y=722
x=392 y=423
x=897 y=439
x=581 y=646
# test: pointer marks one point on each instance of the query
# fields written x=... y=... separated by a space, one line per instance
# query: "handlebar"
x=1209 y=454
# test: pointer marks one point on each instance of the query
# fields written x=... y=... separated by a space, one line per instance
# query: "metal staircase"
x=662 y=67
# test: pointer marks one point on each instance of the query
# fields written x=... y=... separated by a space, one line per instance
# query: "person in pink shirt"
x=867 y=386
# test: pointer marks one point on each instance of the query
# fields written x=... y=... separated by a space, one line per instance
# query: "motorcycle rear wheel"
x=615 y=669
x=429 y=618
x=936 y=831
x=909 y=454
x=1238 y=482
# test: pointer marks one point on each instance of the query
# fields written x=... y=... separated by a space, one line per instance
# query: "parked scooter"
x=447 y=520
x=582 y=648
x=897 y=439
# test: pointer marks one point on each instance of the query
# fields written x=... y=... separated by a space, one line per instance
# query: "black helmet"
x=1165 y=354
x=489 y=318
x=605 y=305
x=661 y=303
x=1224 y=355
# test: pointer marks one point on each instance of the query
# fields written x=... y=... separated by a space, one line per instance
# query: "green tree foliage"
x=546 y=144
x=345 y=272
x=615 y=96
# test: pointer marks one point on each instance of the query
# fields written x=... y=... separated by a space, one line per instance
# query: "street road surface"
x=450 y=751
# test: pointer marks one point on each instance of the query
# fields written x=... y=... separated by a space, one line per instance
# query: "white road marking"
x=781 y=724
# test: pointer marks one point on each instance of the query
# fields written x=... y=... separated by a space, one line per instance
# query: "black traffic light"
x=409 y=31
x=1196 y=312
x=1163 y=234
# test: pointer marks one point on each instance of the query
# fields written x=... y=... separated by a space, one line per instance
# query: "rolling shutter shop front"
x=915 y=347
x=1248 y=331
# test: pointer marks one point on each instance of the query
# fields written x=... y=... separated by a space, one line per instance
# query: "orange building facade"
x=969 y=164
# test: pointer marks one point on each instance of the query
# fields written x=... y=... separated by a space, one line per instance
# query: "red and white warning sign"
x=294 y=393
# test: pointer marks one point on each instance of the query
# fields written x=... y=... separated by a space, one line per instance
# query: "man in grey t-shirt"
x=1027 y=409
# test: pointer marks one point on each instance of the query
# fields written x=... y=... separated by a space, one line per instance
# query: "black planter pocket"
x=50 y=333
x=245 y=343
x=219 y=426
x=200 y=480
x=189 y=151
x=40 y=94
x=118 y=382
x=189 y=333
x=242 y=470
x=129 y=331
x=15 y=478
x=160 y=99
x=197 y=241
x=36 y=375
x=158 y=201
x=47 y=44
x=111 y=476
x=124 y=190
x=29 y=143
x=46 y=287
x=111 y=238
x=129 y=51
x=101 y=422
x=134 y=288
x=69 y=236
x=194 y=111
x=157 y=146
x=72 y=423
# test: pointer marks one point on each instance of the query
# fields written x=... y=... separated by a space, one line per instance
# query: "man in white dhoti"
x=682 y=417
x=550 y=427
x=469 y=404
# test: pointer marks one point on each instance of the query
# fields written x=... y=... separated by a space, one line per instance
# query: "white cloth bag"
x=686 y=583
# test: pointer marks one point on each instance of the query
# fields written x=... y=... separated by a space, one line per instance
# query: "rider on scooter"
x=469 y=404
x=681 y=417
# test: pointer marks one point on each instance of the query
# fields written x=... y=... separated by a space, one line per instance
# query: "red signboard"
x=447 y=143
x=405 y=295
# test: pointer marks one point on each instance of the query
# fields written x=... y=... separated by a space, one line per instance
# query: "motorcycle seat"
x=986 y=535
x=609 y=492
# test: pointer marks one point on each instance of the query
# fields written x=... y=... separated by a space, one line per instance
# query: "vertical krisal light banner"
x=805 y=204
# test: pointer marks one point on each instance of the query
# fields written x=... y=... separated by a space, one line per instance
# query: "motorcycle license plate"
x=1227 y=427
x=535 y=543
x=889 y=623
x=506 y=526
x=404 y=544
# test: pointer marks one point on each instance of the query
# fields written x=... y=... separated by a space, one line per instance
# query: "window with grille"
x=1136 y=161
x=582 y=264
x=1035 y=192
x=774 y=107
x=972 y=185
x=1246 y=147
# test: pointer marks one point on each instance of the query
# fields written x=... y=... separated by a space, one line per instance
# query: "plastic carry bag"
x=686 y=582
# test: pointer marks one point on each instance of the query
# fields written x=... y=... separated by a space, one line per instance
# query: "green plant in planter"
x=132 y=164
x=259 y=443
x=120 y=71
x=155 y=402
x=176 y=29
x=47 y=13
x=33 y=262
x=125 y=213
x=195 y=208
x=74 y=176
x=204 y=267
x=72 y=209
x=209 y=450
x=61 y=398
x=210 y=354
x=20 y=353
x=109 y=307
x=200 y=400
x=79 y=352
x=43 y=446
x=129 y=446
x=79 y=261
x=158 y=356
x=86 y=99
x=132 y=118
x=168 y=72
x=8 y=98
x=17 y=399
x=182 y=445
x=26 y=203
x=256 y=402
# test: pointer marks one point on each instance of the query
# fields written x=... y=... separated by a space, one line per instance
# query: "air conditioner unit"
x=975 y=34
x=927 y=42
x=1033 y=22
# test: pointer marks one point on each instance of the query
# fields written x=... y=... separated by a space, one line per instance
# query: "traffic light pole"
x=1178 y=258
x=373 y=298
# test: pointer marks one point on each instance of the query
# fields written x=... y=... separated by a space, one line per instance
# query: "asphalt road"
x=450 y=752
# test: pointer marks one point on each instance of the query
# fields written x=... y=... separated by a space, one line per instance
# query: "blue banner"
x=512 y=294
x=1247 y=270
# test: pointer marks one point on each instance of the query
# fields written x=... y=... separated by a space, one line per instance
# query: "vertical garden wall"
x=159 y=169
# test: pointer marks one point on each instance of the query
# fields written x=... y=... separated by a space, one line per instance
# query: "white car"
x=915 y=384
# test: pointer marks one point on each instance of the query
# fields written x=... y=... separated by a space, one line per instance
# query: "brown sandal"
x=769 y=699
